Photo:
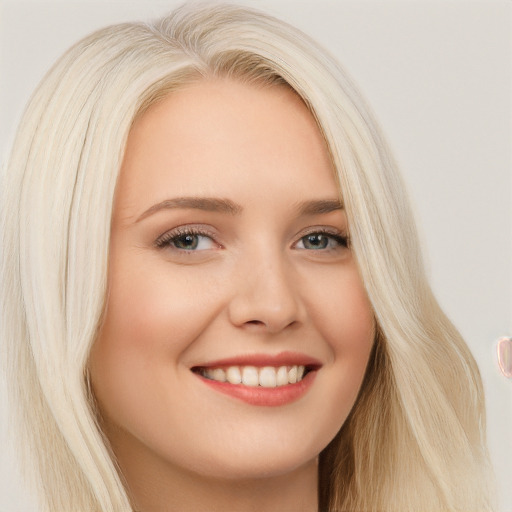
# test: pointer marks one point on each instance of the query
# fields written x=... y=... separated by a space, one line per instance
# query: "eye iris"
x=316 y=241
x=188 y=242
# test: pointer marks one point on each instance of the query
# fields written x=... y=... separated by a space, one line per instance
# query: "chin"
x=270 y=466
x=261 y=458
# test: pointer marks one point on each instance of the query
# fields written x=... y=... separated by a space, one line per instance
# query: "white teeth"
x=282 y=376
x=217 y=374
x=250 y=376
x=267 y=376
x=233 y=375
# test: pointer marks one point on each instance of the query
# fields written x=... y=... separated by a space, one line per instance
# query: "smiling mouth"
x=261 y=379
x=253 y=376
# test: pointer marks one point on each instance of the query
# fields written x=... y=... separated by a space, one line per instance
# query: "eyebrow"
x=317 y=207
x=213 y=204
x=207 y=204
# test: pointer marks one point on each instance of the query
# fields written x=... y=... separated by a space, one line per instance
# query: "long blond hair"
x=415 y=440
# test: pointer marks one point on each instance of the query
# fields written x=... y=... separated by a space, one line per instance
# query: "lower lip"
x=258 y=395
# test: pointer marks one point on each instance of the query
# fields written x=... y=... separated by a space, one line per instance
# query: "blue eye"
x=186 y=240
x=322 y=241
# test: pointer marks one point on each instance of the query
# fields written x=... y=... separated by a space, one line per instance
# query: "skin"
x=251 y=285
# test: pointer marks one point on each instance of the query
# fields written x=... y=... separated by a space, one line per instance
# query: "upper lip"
x=280 y=359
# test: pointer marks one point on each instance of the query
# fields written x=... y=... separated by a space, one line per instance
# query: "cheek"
x=342 y=312
x=148 y=323
x=154 y=311
x=354 y=333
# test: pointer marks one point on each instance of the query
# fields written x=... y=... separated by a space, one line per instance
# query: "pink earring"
x=504 y=349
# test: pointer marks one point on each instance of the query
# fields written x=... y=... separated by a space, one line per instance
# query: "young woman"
x=213 y=295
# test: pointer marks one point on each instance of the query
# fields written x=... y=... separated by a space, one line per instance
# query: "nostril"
x=255 y=322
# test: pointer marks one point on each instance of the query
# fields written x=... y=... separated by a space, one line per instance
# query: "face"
x=229 y=262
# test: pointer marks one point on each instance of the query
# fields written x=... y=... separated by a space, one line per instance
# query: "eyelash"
x=342 y=239
x=170 y=237
x=167 y=239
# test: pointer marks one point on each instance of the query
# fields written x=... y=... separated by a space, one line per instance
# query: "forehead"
x=221 y=138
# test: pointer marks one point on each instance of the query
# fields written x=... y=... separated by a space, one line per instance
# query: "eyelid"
x=324 y=230
x=162 y=241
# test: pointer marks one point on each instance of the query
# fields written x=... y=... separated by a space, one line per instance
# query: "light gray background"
x=438 y=75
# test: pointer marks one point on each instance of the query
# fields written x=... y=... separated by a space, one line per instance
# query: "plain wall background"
x=438 y=75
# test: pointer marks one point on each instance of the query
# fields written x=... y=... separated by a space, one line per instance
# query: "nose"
x=266 y=296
